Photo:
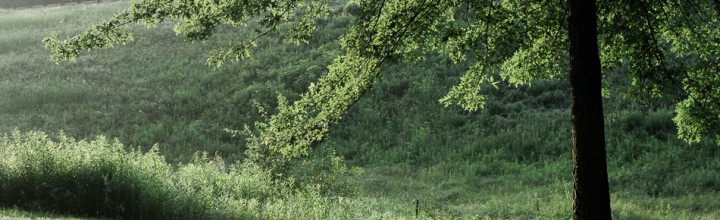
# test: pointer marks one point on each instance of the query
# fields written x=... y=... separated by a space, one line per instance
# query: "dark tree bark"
x=591 y=199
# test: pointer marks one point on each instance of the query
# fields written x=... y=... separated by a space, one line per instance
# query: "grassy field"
x=9 y=4
x=510 y=161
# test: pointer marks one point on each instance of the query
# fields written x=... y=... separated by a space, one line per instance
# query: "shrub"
x=328 y=173
x=100 y=178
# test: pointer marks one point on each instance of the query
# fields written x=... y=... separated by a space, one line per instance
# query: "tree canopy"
x=663 y=46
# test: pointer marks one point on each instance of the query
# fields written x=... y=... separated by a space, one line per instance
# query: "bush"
x=327 y=173
x=100 y=178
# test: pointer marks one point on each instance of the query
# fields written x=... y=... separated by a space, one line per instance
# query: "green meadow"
x=141 y=131
x=41 y=3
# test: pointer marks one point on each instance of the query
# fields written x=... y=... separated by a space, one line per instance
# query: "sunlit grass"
x=19 y=214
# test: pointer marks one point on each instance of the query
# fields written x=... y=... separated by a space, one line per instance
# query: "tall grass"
x=99 y=178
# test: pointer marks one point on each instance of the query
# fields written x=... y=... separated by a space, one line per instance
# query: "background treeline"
x=156 y=90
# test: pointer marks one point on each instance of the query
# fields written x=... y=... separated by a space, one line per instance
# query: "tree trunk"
x=591 y=198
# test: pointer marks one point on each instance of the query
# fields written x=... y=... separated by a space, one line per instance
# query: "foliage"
x=99 y=178
x=197 y=21
x=668 y=46
x=401 y=28
x=328 y=173
x=504 y=162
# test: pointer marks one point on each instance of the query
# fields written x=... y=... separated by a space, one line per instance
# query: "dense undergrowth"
x=155 y=96
x=101 y=178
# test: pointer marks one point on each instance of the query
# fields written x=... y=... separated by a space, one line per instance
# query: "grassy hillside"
x=154 y=90
x=41 y=3
x=511 y=160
